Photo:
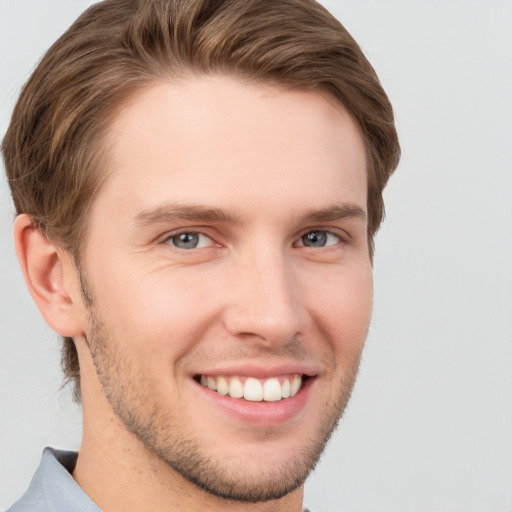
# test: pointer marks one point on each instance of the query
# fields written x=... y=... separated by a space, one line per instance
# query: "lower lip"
x=259 y=413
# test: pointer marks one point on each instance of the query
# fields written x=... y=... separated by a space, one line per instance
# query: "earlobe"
x=44 y=267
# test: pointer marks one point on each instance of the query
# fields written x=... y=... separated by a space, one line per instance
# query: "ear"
x=50 y=276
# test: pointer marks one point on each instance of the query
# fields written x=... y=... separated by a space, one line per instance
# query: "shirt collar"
x=54 y=486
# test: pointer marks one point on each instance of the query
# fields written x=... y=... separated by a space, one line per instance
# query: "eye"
x=189 y=240
x=319 y=238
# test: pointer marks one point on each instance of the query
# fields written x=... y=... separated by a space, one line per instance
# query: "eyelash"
x=329 y=235
x=199 y=234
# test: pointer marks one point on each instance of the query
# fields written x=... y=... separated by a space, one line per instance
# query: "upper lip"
x=257 y=370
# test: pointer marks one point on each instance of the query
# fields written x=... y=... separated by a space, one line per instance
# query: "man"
x=197 y=186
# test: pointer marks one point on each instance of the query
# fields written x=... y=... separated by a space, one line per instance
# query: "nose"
x=265 y=303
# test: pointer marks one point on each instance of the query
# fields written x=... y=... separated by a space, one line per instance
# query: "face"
x=228 y=267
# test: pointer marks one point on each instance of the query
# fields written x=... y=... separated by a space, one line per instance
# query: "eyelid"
x=192 y=230
x=342 y=236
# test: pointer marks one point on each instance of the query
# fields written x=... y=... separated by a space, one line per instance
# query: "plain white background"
x=429 y=428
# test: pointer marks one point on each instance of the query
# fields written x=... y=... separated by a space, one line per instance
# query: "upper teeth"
x=254 y=390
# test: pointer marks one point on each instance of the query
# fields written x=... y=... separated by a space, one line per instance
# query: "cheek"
x=343 y=311
x=159 y=313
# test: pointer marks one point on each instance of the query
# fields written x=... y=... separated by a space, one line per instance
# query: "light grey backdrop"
x=429 y=428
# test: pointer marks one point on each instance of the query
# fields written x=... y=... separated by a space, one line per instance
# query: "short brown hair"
x=52 y=149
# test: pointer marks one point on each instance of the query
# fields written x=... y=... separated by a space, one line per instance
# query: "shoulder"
x=34 y=499
x=52 y=488
x=30 y=502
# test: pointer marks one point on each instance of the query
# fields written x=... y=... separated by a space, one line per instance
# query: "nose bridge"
x=264 y=299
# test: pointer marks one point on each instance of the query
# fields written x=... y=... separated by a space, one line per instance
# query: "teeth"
x=285 y=389
x=272 y=390
x=210 y=382
x=254 y=390
x=236 y=388
x=295 y=385
x=222 y=386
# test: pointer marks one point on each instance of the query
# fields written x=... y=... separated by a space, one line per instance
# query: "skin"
x=251 y=170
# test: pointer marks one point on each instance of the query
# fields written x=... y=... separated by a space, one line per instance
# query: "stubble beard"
x=163 y=438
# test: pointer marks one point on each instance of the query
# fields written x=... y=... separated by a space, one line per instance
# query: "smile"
x=254 y=390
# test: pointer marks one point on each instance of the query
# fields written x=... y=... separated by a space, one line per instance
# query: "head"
x=58 y=149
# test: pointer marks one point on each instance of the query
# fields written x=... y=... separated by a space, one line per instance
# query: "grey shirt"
x=53 y=489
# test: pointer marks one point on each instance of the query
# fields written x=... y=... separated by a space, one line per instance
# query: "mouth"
x=252 y=389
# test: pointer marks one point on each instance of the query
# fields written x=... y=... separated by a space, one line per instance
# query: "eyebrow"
x=337 y=211
x=174 y=211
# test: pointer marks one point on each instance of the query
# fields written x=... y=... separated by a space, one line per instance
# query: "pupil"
x=187 y=240
x=315 y=239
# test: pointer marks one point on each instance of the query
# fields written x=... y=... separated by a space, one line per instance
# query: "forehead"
x=214 y=139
